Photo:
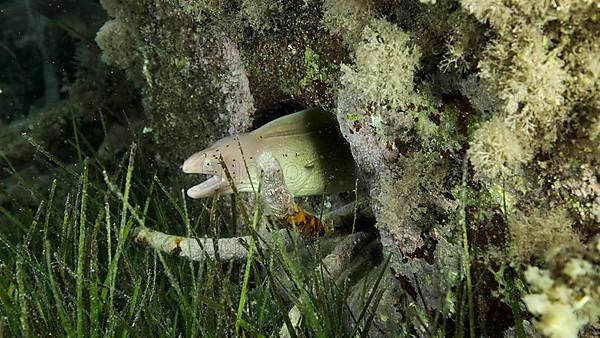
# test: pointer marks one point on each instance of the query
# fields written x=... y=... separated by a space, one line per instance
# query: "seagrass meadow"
x=372 y=168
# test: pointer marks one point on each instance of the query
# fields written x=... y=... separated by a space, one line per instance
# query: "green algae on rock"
x=503 y=92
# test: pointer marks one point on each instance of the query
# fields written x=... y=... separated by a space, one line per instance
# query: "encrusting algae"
x=471 y=125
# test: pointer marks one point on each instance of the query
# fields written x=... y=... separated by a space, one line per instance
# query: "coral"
x=594 y=130
x=543 y=74
x=347 y=18
x=584 y=191
x=566 y=295
x=384 y=67
x=532 y=232
x=118 y=45
x=496 y=151
x=260 y=14
x=584 y=66
x=538 y=141
x=493 y=12
x=462 y=44
x=408 y=201
x=531 y=84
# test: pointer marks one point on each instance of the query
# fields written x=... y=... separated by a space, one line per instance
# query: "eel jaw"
x=209 y=187
x=216 y=183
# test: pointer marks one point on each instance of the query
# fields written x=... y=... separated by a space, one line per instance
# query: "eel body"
x=314 y=158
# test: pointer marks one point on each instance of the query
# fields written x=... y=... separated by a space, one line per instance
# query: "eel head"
x=225 y=153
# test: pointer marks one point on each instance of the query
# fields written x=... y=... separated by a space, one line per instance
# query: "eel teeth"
x=208 y=188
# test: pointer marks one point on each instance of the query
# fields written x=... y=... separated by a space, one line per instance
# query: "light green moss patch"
x=313 y=69
x=385 y=62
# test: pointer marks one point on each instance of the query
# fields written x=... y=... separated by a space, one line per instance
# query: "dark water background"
x=37 y=51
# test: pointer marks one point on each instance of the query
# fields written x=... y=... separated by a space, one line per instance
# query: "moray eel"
x=314 y=158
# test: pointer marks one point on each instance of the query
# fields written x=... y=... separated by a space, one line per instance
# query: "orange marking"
x=305 y=223
x=177 y=249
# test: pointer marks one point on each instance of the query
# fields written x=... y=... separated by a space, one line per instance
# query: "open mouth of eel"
x=209 y=187
x=214 y=184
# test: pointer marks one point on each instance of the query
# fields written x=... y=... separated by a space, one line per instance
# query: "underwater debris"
x=200 y=249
